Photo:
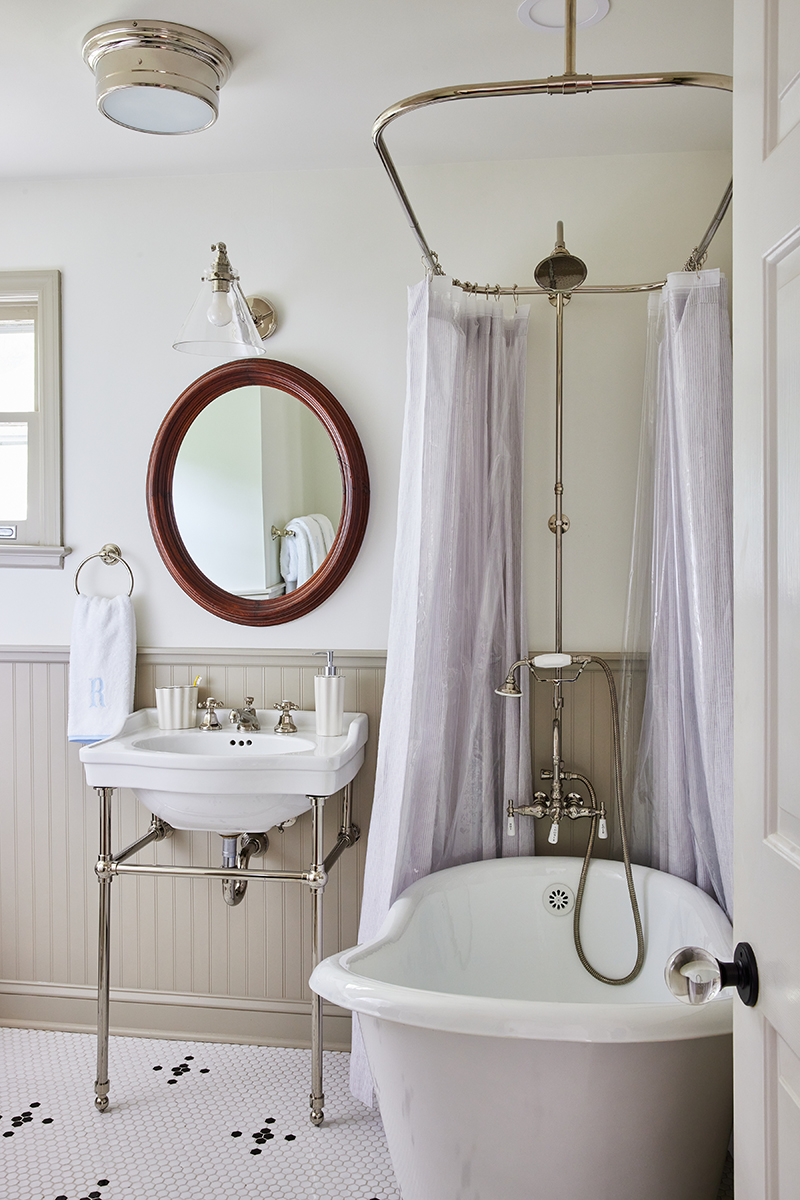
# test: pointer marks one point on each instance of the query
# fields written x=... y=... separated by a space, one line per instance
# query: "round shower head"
x=562 y=271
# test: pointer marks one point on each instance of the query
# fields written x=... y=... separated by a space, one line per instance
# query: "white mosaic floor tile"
x=726 y=1187
x=188 y=1121
x=170 y=1133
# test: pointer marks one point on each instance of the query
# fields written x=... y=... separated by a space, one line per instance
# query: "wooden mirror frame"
x=355 y=486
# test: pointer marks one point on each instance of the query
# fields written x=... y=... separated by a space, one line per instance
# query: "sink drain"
x=559 y=899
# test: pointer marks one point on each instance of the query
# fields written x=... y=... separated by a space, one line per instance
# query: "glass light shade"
x=203 y=334
x=153 y=109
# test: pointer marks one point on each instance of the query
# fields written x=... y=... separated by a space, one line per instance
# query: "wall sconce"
x=155 y=76
x=221 y=320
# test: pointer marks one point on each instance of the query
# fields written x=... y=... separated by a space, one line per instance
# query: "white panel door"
x=767 y=573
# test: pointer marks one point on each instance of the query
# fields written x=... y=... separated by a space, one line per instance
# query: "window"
x=30 y=420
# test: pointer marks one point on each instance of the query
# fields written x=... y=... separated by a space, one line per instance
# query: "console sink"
x=226 y=781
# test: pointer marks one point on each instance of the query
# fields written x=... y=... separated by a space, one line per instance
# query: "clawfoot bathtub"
x=505 y=1072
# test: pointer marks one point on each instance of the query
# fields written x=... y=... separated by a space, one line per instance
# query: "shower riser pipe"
x=558 y=530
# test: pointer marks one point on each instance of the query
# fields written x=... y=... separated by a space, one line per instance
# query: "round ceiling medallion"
x=548 y=15
x=156 y=76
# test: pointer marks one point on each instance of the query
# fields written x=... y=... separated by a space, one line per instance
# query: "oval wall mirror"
x=257 y=492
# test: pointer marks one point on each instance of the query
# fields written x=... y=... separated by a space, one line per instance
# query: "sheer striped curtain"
x=680 y=607
x=451 y=752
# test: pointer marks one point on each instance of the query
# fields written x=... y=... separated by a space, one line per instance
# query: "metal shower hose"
x=626 y=858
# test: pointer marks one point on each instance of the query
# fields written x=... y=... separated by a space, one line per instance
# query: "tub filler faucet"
x=555 y=805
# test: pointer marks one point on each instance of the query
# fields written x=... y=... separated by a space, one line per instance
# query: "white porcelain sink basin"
x=234 y=745
x=226 y=781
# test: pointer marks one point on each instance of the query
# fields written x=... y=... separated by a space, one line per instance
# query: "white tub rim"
x=338 y=980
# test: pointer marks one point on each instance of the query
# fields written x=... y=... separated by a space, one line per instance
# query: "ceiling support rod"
x=570 y=35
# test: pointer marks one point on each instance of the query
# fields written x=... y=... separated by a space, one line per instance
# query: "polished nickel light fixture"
x=222 y=321
x=156 y=76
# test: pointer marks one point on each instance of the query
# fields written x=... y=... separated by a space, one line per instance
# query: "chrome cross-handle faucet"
x=286 y=724
x=209 y=720
x=245 y=718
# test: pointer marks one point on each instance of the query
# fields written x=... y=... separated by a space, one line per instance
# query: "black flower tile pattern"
x=213 y=1113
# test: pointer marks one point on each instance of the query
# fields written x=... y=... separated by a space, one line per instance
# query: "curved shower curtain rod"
x=568 y=84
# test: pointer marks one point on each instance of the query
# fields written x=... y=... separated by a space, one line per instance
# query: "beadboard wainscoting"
x=184 y=964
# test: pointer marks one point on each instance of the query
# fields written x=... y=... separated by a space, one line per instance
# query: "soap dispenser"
x=329 y=698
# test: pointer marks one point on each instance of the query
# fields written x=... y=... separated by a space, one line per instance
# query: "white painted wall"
x=332 y=250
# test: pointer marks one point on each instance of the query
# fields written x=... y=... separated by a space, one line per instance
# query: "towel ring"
x=110 y=554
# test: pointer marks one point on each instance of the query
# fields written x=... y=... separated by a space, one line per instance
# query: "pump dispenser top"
x=330 y=669
x=329 y=698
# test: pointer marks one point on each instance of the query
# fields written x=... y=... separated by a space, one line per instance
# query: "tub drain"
x=559 y=899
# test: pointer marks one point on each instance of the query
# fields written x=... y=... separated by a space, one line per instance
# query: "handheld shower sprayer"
x=511 y=687
x=545 y=662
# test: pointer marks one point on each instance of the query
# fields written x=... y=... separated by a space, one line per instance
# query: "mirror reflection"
x=257 y=492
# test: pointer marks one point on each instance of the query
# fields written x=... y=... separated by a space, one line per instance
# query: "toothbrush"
x=197 y=680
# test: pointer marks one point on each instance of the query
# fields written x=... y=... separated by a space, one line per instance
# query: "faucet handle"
x=286 y=724
x=210 y=721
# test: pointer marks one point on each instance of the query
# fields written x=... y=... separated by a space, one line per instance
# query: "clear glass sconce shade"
x=220 y=325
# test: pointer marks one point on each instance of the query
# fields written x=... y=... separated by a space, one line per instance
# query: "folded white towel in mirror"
x=304 y=553
x=102 y=667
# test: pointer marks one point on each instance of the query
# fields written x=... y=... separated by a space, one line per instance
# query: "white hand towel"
x=327 y=530
x=316 y=541
x=102 y=666
x=289 y=562
x=303 y=553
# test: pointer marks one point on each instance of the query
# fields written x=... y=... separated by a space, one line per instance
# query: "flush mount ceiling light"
x=548 y=15
x=155 y=76
x=222 y=321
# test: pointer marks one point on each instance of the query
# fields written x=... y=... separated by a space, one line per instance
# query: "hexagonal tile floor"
x=726 y=1187
x=187 y=1121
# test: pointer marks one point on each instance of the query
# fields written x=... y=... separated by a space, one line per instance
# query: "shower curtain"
x=678 y=669
x=450 y=752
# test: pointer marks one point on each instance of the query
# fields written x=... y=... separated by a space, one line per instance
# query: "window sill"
x=34 y=556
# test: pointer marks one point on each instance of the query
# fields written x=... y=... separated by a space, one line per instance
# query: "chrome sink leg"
x=101 y=1085
x=317 y=881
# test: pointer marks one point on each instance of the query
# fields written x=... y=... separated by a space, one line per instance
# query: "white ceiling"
x=309 y=79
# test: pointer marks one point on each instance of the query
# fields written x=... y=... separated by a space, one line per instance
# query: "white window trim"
x=42 y=289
